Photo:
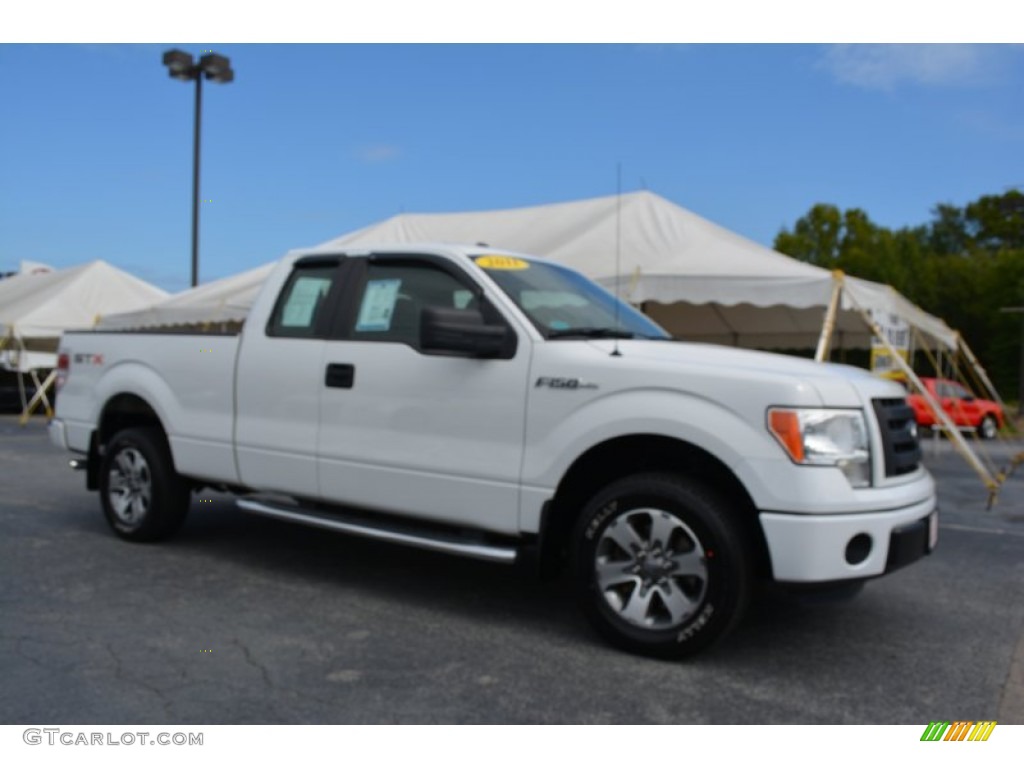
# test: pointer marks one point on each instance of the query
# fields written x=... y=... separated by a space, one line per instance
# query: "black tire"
x=988 y=428
x=143 y=498
x=688 y=579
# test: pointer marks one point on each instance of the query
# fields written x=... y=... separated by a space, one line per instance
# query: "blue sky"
x=312 y=141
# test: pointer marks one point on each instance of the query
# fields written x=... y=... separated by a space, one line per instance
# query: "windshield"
x=563 y=304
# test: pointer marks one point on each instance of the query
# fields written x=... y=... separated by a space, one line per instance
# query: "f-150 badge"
x=555 y=382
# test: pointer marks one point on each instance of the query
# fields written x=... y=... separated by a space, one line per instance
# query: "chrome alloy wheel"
x=130 y=487
x=651 y=569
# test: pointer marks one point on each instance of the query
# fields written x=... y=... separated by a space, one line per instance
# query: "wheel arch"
x=120 y=412
x=626 y=455
x=996 y=416
x=125 y=410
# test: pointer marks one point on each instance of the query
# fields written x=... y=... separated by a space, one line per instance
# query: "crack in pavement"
x=252 y=661
x=20 y=651
x=119 y=674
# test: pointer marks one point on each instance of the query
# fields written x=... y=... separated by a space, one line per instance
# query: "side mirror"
x=461 y=330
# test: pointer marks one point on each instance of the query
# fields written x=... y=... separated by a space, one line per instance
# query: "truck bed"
x=187 y=378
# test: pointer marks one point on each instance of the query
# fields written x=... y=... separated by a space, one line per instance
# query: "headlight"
x=825 y=437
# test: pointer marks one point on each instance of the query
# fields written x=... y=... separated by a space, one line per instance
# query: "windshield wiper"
x=592 y=332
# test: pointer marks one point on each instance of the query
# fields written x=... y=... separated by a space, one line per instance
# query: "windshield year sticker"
x=502 y=262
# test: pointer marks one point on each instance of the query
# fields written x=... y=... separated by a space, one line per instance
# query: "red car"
x=965 y=410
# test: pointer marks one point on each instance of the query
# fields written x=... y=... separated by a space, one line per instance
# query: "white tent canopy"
x=35 y=309
x=38 y=306
x=33 y=268
x=699 y=280
x=224 y=300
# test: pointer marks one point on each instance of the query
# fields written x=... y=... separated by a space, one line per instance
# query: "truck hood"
x=836 y=385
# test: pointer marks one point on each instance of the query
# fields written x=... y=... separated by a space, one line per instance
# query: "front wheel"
x=988 y=427
x=662 y=567
x=143 y=498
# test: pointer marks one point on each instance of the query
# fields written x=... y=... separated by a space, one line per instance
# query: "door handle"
x=340 y=375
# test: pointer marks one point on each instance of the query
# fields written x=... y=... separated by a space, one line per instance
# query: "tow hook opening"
x=858 y=549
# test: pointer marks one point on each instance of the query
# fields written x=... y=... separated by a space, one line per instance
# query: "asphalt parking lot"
x=247 y=620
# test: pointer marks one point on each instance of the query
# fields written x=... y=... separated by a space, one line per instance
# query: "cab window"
x=303 y=301
x=394 y=295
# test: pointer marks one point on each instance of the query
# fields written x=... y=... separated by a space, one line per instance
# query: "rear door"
x=279 y=381
x=438 y=436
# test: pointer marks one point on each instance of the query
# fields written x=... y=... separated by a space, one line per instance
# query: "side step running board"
x=422 y=538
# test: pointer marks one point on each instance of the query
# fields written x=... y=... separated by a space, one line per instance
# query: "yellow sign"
x=882 y=363
x=501 y=262
x=897 y=334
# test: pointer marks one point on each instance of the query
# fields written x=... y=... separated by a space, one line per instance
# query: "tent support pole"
x=947 y=424
x=980 y=371
x=21 y=380
x=829 y=324
x=935 y=361
x=729 y=329
x=7 y=342
x=39 y=397
x=17 y=345
x=633 y=282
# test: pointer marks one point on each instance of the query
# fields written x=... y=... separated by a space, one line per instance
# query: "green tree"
x=947 y=233
x=963 y=266
x=815 y=237
x=996 y=222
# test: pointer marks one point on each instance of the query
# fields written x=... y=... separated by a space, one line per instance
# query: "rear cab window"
x=302 y=308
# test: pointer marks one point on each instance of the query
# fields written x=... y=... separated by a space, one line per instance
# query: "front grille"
x=899 y=435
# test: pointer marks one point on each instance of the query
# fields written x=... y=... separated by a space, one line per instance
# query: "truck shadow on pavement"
x=327 y=624
x=483 y=593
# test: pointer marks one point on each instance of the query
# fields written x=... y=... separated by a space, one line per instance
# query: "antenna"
x=618 y=253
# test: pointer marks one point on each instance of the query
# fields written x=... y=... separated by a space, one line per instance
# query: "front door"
x=438 y=436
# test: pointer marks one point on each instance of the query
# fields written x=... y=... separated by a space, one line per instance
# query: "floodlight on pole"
x=217 y=68
x=181 y=66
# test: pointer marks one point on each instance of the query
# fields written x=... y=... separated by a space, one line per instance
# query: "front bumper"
x=821 y=548
x=911 y=542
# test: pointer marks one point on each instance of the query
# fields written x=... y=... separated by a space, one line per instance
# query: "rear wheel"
x=143 y=498
x=662 y=567
x=988 y=427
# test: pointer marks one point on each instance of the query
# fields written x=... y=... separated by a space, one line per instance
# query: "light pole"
x=218 y=69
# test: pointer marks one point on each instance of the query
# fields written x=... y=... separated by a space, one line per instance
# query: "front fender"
x=553 y=445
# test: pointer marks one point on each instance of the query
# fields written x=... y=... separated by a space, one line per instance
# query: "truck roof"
x=458 y=250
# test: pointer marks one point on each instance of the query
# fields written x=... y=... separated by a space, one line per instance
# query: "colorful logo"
x=961 y=730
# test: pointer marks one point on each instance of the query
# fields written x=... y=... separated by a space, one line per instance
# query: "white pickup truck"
x=503 y=407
